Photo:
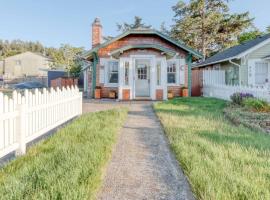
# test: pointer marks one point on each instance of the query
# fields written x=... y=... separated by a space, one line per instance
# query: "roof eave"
x=181 y=45
x=217 y=62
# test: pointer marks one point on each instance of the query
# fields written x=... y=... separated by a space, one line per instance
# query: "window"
x=171 y=72
x=261 y=73
x=126 y=73
x=113 y=72
x=18 y=62
x=142 y=72
x=159 y=73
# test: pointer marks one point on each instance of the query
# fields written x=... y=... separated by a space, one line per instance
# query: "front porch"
x=146 y=74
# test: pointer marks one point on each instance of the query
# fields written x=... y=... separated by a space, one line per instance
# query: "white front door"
x=142 y=77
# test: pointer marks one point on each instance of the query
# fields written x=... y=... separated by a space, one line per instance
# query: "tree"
x=66 y=57
x=250 y=35
x=164 y=29
x=268 y=29
x=137 y=24
x=207 y=25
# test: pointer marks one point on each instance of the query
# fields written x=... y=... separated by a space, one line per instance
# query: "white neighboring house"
x=27 y=64
x=247 y=64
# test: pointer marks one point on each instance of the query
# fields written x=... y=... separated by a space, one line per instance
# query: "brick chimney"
x=96 y=33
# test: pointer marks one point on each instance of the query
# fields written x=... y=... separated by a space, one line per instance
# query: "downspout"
x=239 y=66
x=94 y=75
x=189 y=62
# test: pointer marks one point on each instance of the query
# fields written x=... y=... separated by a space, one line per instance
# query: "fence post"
x=21 y=131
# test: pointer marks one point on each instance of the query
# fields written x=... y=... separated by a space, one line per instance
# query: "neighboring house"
x=140 y=63
x=245 y=64
x=26 y=64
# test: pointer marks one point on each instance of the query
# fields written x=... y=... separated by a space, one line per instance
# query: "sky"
x=56 y=22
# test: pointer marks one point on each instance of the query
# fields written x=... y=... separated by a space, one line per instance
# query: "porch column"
x=189 y=62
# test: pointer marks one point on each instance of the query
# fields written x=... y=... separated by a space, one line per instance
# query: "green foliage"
x=63 y=57
x=11 y=48
x=221 y=160
x=268 y=29
x=257 y=105
x=246 y=36
x=207 y=25
x=68 y=165
x=137 y=24
x=238 y=97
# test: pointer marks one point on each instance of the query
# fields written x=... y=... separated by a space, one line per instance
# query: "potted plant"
x=112 y=94
x=185 y=92
x=170 y=94
x=97 y=92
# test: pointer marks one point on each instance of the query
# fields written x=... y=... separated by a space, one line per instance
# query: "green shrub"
x=258 y=105
x=238 y=97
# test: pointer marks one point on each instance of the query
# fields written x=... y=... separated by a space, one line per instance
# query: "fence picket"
x=24 y=118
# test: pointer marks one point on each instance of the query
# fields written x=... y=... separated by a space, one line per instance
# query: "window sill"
x=111 y=85
x=173 y=84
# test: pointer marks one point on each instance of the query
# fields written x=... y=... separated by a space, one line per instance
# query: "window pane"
x=171 y=72
x=158 y=72
x=171 y=78
x=126 y=73
x=113 y=78
x=113 y=72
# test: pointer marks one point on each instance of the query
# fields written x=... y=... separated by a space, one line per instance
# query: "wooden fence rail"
x=23 y=118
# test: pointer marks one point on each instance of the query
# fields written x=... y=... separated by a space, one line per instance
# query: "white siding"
x=261 y=52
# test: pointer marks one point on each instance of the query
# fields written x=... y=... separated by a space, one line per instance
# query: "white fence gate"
x=23 y=118
x=216 y=87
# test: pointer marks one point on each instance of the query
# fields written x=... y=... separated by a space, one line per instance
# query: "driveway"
x=142 y=164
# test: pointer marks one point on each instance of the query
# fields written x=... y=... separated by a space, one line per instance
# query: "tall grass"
x=66 y=166
x=222 y=161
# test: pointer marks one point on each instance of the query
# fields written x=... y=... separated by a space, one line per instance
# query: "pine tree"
x=137 y=24
x=207 y=25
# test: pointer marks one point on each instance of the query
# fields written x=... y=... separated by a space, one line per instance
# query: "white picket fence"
x=24 y=118
x=225 y=91
x=212 y=77
x=216 y=87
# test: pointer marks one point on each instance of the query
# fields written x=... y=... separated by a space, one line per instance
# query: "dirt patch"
x=254 y=120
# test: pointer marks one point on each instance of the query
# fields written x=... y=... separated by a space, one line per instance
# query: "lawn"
x=68 y=165
x=221 y=160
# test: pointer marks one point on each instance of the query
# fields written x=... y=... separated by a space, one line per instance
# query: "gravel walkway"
x=142 y=166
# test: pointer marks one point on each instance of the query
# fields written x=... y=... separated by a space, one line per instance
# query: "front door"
x=142 y=78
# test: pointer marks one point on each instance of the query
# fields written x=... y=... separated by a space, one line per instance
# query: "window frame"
x=176 y=73
x=108 y=72
x=255 y=72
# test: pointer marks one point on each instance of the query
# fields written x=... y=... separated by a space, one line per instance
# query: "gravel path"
x=142 y=166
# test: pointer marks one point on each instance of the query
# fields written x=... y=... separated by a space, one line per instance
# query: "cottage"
x=138 y=64
x=247 y=64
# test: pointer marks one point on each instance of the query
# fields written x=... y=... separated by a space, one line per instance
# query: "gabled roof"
x=235 y=52
x=146 y=32
x=29 y=52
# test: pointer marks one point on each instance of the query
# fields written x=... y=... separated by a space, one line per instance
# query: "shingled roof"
x=233 y=52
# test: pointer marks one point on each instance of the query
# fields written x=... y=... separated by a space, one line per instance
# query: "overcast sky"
x=53 y=22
